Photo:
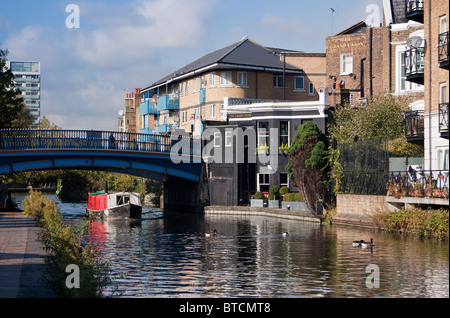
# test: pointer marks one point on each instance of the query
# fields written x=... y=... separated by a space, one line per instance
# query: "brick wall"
x=356 y=209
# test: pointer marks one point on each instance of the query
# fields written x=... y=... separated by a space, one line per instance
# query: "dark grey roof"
x=359 y=27
x=245 y=53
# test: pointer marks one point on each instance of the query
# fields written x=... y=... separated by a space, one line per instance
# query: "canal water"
x=168 y=255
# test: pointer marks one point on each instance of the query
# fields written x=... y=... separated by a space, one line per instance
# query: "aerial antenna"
x=332 y=17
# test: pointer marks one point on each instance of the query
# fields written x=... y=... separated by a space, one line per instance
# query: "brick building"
x=436 y=78
x=244 y=70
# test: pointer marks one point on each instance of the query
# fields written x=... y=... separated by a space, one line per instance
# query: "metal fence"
x=83 y=139
x=422 y=184
x=365 y=167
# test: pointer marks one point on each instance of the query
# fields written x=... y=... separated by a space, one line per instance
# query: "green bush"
x=284 y=190
x=293 y=197
x=259 y=195
x=272 y=191
x=417 y=222
x=63 y=244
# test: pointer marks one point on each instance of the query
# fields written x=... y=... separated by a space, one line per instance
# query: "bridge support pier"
x=183 y=195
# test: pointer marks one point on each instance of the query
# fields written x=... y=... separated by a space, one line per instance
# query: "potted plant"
x=258 y=201
x=293 y=201
x=284 y=148
x=273 y=193
x=262 y=149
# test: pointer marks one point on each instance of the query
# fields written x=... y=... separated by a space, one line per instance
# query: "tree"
x=381 y=117
x=14 y=113
x=308 y=162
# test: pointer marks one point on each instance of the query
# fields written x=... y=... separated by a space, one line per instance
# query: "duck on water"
x=363 y=244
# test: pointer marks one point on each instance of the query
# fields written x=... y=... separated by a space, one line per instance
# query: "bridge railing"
x=21 y=139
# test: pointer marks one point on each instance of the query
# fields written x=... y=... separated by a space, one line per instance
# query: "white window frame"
x=279 y=179
x=197 y=113
x=184 y=117
x=217 y=139
x=443 y=98
x=409 y=86
x=242 y=79
x=226 y=78
x=212 y=110
x=228 y=138
x=346 y=64
x=297 y=87
x=443 y=24
x=265 y=182
x=212 y=79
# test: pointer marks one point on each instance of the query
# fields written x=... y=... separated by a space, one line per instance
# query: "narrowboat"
x=114 y=205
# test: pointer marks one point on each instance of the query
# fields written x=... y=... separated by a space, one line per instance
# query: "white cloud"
x=118 y=46
x=160 y=24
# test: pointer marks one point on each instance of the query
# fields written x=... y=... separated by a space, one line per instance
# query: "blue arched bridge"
x=144 y=155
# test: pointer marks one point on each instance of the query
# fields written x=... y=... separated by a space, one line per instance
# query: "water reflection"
x=167 y=255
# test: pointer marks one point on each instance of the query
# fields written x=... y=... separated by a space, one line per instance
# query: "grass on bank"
x=417 y=222
x=64 y=246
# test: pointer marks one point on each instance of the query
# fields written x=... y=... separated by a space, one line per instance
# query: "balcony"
x=443 y=120
x=168 y=102
x=414 y=128
x=148 y=108
x=443 y=50
x=415 y=64
x=414 y=10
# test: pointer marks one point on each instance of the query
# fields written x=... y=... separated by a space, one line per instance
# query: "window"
x=197 y=113
x=284 y=179
x=284 y=133
x=242 y=78
x=346 y=64
x=217 y=139
x=402 y=85
x=228 y=138
x=195 y=85
x=213 y=111
x=184 y=117
x=263 y=182
x=225 y=79
x=263 y=133
x=212 y=79
x=311 y=91
x=299 y=83
x=443 y=24
x=278 y=81
x=443 y=94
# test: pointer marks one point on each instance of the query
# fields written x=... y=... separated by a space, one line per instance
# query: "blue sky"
x=121 y=45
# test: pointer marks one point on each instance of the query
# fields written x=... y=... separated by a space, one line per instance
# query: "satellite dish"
x=414 y=42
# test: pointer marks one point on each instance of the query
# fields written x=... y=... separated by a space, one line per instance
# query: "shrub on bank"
x=64 y=246
x=418 y=222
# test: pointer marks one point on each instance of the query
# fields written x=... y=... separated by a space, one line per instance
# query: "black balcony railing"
x=414 y=127
x=415 y=65
x=421 y=184
x=443 y=47
x=443 y=120
x=414 y=10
